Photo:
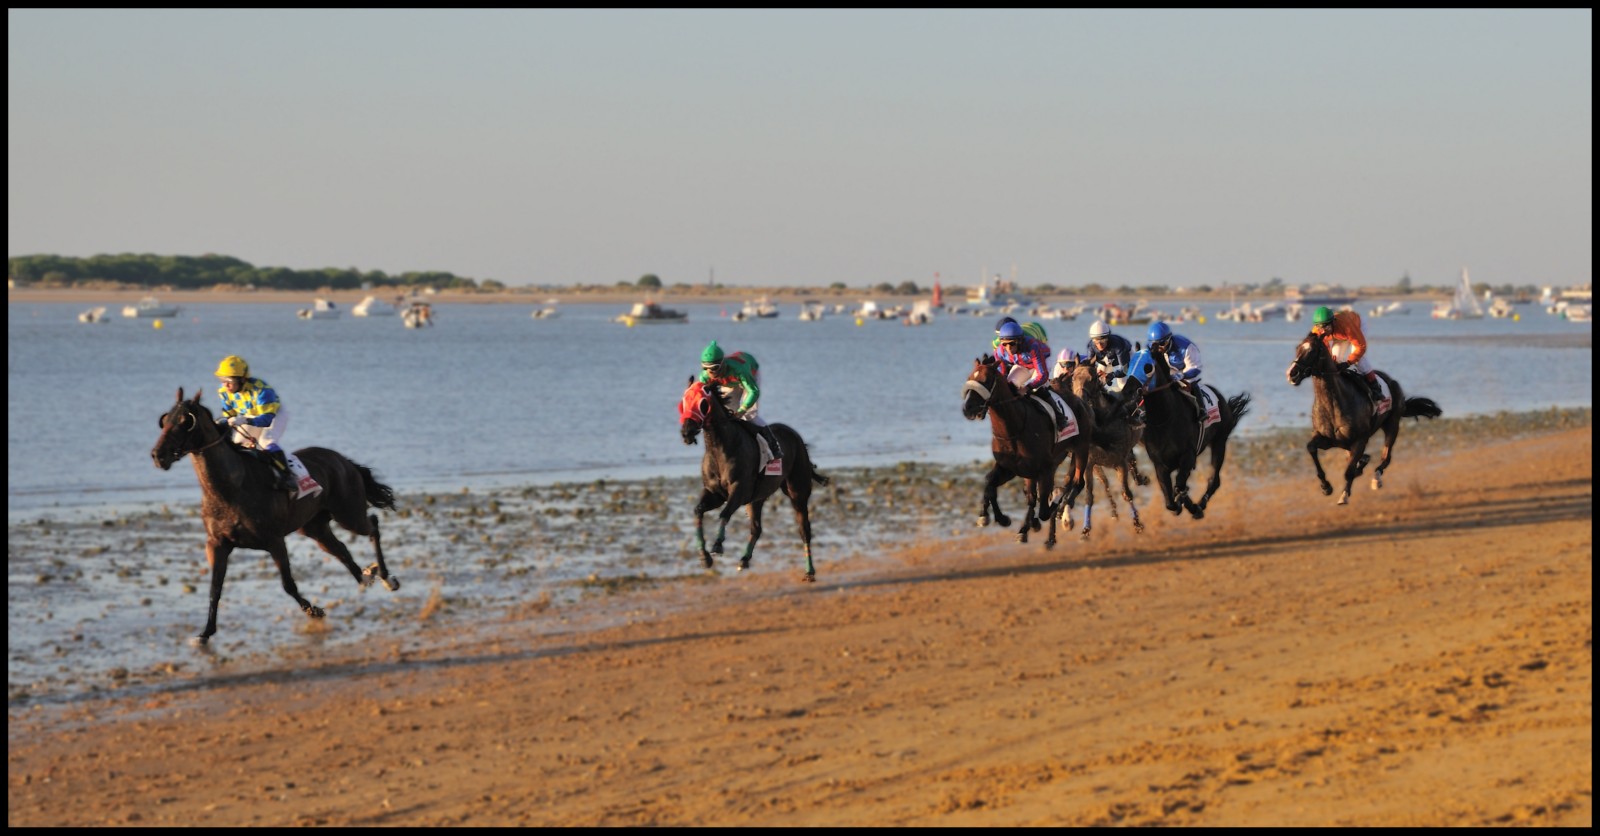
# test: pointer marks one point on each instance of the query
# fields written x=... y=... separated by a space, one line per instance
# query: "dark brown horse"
x=243 y=509
x=730 y=472
x=1024 y=444
x=1115 y=439
x=1341 y=413
x=1174 y=437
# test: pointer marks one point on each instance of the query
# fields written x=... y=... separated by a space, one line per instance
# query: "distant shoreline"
x=539 y=298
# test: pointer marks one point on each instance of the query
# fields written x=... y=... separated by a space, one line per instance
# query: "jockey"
x=1107 y=351
x=252 y=409
x=731 y=374
x=1341 y=333
x=1032 y=329
x=1066 y=362
x=1015 y=348
x=1183 y=356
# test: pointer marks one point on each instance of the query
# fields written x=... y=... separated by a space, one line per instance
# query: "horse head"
x=694 y=411
x=1311 y=359
x=981 y=386
x=185 y=428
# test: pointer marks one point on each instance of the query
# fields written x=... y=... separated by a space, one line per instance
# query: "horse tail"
x=379 y=495
x=1239 y=405
x=1421 y=408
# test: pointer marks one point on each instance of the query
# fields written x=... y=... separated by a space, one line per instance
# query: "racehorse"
x=243 y=509
x=731 y=473
x=1115 y=439
x=1341 y=413
x=1024 y=444
x=1174 y=437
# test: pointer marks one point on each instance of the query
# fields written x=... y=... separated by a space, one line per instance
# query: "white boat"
x=921 y=314
x=94 y=315
x=320 y=309
x=150 y=306
x=1501 y=308
x=546 y=313
x=812 y=311
x=759 y=309
x=649 y=313
x=373 y=306
x=1464 y=305
x=1578 y=313
x=417 y=315
x=1395 y=307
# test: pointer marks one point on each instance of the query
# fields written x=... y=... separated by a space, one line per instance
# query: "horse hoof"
x=1003 y=520
x=1377 y=482
x=743 y=565
x=706 y=561
x=1037 y=525
x=1085 y=536
x=315 y=611
x=199 y=641
x=983 y=522
x=716 y=548
x=1138 y=527
x=809 y=577
x=391 y=583
x=1327 y=489
x=1344 y=499
x=1197 y=513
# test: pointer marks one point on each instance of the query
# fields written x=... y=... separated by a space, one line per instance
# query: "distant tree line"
x=185 y=272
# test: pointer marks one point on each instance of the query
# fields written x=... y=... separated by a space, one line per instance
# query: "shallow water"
x=538 y=462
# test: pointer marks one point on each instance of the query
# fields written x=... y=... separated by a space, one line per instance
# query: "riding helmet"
x=1002 y=323
x=1010 y=330
x=233 y=366
x=1099 y=329
x=1323 y=316
x=1158 y=332
x=712 y=355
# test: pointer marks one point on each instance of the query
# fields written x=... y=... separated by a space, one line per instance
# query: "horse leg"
x=1316 y=443
x=280 y=556
x=1391 y=431
x=800 y=499
x=755 y=533
x=708 y=501
x=1356 y=463
x=217 y=552
x=390 y=582
x=1219 y=454
x=1105 y=482
x=1030 y=495
x=1164 y=480
x=991 y=496
x=1133 y=510
x=1088 y=501
x=1184 y=502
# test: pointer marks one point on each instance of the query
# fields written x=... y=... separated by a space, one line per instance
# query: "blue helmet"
x=1009 y=330
x=1158 y=332
x=1002 y=323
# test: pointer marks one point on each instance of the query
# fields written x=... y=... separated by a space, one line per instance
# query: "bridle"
x=192 y=422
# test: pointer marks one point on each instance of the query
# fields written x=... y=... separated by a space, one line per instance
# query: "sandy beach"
x=1422 y=656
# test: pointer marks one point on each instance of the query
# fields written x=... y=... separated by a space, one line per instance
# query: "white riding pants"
x=1340 y=349
x=264 y=438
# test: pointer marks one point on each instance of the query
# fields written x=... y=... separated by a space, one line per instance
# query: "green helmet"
x=712 y=355
x=1323 y=316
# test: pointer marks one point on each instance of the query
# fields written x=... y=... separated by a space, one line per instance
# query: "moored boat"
x=649 y=313
x=373 y=306
x=149 y=306
x=320 y=309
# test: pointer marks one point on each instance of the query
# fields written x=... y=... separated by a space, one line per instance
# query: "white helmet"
x=1099 y=329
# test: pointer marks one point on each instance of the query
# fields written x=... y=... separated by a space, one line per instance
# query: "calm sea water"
x=491 y=397
x=106 y=575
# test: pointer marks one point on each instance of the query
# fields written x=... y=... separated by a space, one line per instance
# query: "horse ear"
x=196 y=399
x=180 y=394
x=691 y=380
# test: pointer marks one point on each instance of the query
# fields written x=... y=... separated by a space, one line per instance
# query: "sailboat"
x=1463 y=305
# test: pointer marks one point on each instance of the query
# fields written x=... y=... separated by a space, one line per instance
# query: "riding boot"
x=1377 y=392
x=772 y=441
x=280 y=462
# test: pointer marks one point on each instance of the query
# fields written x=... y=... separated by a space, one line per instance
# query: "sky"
x=797 y=147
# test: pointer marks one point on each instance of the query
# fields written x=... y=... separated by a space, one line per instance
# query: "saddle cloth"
x=305 y=485
x=769 y=465
x=1066 y=422
x=1386 y=400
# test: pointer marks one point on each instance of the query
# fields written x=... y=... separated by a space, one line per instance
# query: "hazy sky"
x=807 y=147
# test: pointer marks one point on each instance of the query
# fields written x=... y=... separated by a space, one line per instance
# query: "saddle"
x=1061 y=416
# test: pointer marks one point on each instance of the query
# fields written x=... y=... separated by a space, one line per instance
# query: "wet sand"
x=1422 y=656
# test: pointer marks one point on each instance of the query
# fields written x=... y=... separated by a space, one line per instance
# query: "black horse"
x=731 y=473
x=1116 y=436
x=1341 y=413
x=1024 y=444
x=243 y=508
x=1174 y=437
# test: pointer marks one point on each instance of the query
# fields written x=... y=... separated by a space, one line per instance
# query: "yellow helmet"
x=233 y=366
